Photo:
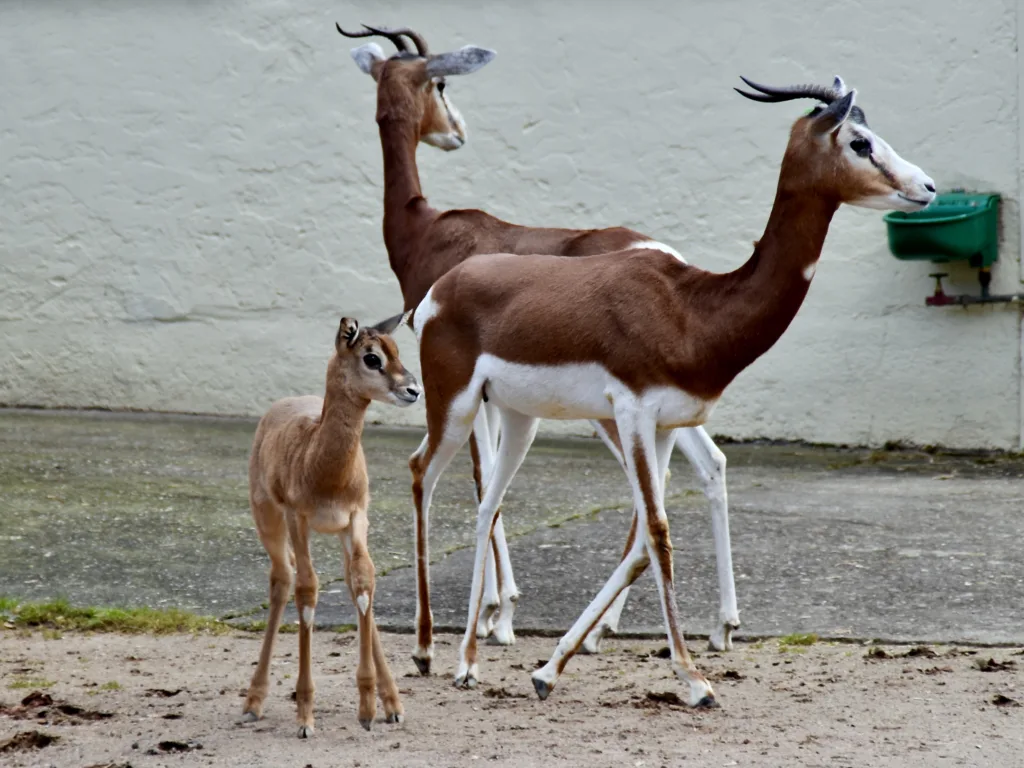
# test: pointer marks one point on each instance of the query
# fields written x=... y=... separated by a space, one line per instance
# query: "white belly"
x=581 y=391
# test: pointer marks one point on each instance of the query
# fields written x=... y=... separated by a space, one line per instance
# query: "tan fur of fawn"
x=499 y=325
x=307 y=472
x=414 y=106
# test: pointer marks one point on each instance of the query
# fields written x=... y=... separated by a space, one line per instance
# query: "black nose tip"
x=930 y=187
x=412 y=391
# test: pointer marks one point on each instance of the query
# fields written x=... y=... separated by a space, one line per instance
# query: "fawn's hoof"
x=250 y=717
x=394 y=717
x=423 y=665
x=306 y=731
x=367 y=724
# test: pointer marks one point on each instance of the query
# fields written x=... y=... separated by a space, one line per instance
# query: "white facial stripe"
x=654 y=245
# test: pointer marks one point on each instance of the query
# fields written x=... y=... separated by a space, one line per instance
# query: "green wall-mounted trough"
x=955 y=227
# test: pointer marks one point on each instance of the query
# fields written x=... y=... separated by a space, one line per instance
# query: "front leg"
x=517 y=433
x=306 y=589
x=709 y=463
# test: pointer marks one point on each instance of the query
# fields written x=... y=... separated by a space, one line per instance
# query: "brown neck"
x=756 y=303
x=338 y=434
x=406 y=212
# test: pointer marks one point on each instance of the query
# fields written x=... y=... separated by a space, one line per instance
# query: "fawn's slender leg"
x=360 y=577
x=387 y=689
x=306 y=588
x=517 y=433
x=273 y=533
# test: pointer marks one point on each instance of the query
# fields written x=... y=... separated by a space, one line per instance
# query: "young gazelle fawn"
x=414 y=105
x=647 y=341
x=307 y=472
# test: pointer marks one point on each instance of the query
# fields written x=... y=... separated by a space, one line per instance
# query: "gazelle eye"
x=861 y=146
x=440 y=86
x=372 y=362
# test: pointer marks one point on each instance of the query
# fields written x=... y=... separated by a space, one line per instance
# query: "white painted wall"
x=191 y=192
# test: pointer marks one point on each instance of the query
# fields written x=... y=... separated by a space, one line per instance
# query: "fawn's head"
x=412 y=85
x=367 y=364
x=833 y=153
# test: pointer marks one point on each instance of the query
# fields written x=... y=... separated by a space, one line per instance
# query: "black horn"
x=770 y=94
x=394 y=35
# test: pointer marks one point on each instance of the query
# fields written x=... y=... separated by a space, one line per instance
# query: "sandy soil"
x=822 y=705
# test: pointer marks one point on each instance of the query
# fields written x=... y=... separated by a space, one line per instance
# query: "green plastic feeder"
x=955 y=227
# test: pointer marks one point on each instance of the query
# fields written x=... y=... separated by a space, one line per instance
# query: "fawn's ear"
x=348 y=333
x=386 y=327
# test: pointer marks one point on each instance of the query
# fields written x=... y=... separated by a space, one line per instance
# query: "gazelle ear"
x=387 y=326
x=348 y=333
x=831 y=119
x=368 y=58
x=464 y=61
x=839 y=86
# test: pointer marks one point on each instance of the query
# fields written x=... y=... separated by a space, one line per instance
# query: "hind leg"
x=273 y=533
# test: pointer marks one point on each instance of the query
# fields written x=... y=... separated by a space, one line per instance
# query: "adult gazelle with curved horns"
x=648 y=341
x=413 y=105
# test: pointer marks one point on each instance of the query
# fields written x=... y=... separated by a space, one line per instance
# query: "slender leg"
x=273 y=532
x=483 y=462
x=646 y=462
x=427 y=467
x=386 y=687
x=508 y=592
x=359 y=575
x=306 y=587
x=609 y=623
x=709 y=462
x=517 y=433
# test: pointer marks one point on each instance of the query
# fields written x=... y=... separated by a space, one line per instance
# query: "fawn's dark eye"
x=372 y=362
x=440 y=86
x=861 y=146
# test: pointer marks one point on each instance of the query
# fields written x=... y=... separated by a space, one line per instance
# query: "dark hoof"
x=423 y=665
x=543 y=689
x=394 y=717
x=708 y=702
x=366 y=724
x=305 y=731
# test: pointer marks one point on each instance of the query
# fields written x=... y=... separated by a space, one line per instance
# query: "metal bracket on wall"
x=942 y=299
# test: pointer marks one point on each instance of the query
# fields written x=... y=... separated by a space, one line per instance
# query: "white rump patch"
x=809 y=271
x=363 y=601
x=424 y=311
x=654 y=245
x=307 y=615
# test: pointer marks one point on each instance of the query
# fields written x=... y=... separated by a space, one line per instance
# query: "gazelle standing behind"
x=647 y=340
x=307 y=471
x=414 y=105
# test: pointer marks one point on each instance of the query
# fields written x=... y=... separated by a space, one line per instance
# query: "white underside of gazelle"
x=517 y=392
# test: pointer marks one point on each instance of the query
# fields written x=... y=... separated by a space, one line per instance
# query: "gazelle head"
x=366 y=363
x=832 y=151
x=413 y=85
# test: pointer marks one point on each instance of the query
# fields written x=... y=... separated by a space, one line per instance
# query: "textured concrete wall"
x=192 y=191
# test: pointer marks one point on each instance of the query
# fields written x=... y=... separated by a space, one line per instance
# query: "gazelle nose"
x=930 y=187
x=413 y=392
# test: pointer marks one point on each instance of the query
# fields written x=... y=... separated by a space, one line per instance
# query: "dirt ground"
x=116 y=700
